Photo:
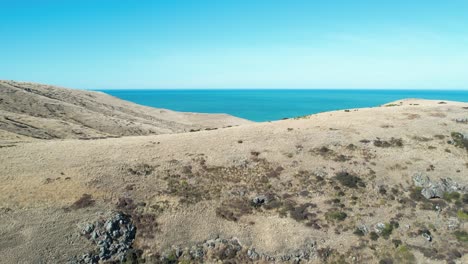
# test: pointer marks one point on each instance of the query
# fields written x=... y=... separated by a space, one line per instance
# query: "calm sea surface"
x=267 y=105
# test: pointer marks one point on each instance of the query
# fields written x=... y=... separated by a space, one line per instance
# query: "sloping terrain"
x=374 y=185
x=32 y=111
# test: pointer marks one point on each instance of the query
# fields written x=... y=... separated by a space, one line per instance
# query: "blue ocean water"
x=268 y=105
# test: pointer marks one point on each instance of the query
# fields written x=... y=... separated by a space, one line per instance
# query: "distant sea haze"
x=269 y=105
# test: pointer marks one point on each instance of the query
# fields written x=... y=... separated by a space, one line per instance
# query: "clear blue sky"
x=236 y=43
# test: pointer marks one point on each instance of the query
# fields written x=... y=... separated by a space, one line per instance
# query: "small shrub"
x=358 y=232
x=349 y=180
x=452 y=196
x=351 y=147
x=387 y=231
x=324 y=253
x=395 y=224
x=255 y=153
x=300 y=212
x=126 y=204
x=335 y=216
x=462 y=215
x=382 y=190
x=461 y=236
x=188 y=193
x=342 y=158
x=141 y=169
x=415 y=194
x=404 y=255
x=145 y=223
x=396 y=242
x=393 y=142
x=459 y=140
x=232 y=210
x=373 y=236
x=86 y=200
x=465 y=198
x=422 y=139
x=386 y=261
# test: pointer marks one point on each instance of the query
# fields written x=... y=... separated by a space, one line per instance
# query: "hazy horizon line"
x=267 y=88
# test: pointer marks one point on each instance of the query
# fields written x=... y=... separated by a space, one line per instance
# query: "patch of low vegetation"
x=451 y=196
x=388 y=229
x=391 y=143
x=342 y=158
x=421 y=138
x=188 y=193
x=404 y=256
x=412 y=116
x=373 y=236
x=461 y=236
x=86 y=200
x=465 y=198
x=301 y=212
x=126 y=204
x=397 y=242
x=335 y=216
x=144 y=222
x=330 y=154
x=6 y=146
x=359 y=232
x=415 y=194
x=298 y=212
x=351 y=147
x=234 y=209
x=141 y=169
x=349 y=180
x=459 y=140
x=462 y=215
x=302 y=117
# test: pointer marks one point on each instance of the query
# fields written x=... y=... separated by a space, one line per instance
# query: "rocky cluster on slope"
x=113 y=238
x=436 y=189
x=232 y=250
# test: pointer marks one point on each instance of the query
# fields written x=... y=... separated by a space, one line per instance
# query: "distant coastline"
x=274 y=104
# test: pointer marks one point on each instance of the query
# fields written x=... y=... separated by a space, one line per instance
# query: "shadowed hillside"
x=34 y=111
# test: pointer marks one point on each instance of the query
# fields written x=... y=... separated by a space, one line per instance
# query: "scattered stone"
x=462 y=120
x=364 y=229
x=453 y=223
x=379 y=227
x=252 y=254
x=426 y=234
x=432 y=189
x=113 y=237
x=227 y=250
x=420 y=180
x=259 y=200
